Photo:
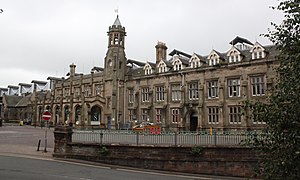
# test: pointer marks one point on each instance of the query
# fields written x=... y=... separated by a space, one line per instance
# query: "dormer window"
x=258 y=52
x=214 y=58
x=195 y=62
x=213 y=61
x=234 y=55
x=177 y=65
x=148 y=69
x=162 y=67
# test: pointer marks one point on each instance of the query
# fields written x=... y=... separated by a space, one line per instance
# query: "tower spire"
x=117 y=22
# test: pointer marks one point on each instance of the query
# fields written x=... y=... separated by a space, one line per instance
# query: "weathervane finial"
x=117 y=11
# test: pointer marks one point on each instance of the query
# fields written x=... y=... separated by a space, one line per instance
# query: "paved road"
x=23 y=140
x=31 y=169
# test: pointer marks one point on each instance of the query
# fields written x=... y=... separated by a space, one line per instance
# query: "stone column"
x=62 y=136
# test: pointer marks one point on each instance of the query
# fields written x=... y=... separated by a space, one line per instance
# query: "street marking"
x=163 y=174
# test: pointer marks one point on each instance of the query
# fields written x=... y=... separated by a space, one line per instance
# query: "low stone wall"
x=229 y=161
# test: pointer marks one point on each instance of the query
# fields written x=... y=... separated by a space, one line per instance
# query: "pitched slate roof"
x=11 y=100
x=175 y=51
x=184 y=60
x=153 y=65
x=202 y=58
x=98 y=69
x=23 y=102
x=139 y=63
x=240 y=40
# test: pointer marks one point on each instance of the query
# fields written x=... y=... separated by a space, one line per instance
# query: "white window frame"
x=131 y=95
x=234 y=87
x=235 y=115
x=213 y=115
x=175 y=112
x=158 y=115
x=160 y=93
x=176 y=92
x=145 y=94
x=130 y=114
x=193 y=91
x=145 y=115
x=258 y=85
x=162 y=68
x=258 y=53
x=212 y=89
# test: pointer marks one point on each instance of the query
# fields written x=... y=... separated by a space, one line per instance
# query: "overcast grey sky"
x=41 y=38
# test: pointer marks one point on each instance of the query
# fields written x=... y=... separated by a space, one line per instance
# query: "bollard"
x=39 y=143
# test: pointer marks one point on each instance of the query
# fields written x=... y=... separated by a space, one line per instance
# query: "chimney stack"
x=72 y=70
x=161 y=51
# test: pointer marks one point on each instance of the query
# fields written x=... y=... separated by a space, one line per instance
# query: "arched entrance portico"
x=96 y=115
x=193 y=121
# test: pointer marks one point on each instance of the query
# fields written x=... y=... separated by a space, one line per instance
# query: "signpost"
x=46 y=117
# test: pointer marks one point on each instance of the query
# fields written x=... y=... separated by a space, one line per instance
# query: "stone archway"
x=57 y=114
x=78 y=115
x=66 y=114
x=193 y=121
x=96 y=115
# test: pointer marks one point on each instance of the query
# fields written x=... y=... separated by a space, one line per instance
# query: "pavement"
x=23 y=141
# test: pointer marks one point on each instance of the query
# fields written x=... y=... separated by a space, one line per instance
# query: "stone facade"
x=185 y=92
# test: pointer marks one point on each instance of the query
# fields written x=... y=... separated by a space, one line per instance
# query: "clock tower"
x=114 y=75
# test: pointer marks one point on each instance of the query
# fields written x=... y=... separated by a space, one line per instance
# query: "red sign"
x=46 y=116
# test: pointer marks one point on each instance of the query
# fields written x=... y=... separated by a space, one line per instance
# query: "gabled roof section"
x=257 y=44
x=139 y=63
x=97 y=69
x=167 y=63
x=177 y=52
x=201 y=58
x=117 y=22
x=221 y=56
x=152 y=65
x=42 y=83
x=25 y=84
x=240 y=40
x=184 y=60
x=13 y=87
x=76 y=74
x=233 y=48
x=54 y=78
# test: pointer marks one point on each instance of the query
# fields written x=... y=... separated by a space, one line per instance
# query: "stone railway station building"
x=180 y=92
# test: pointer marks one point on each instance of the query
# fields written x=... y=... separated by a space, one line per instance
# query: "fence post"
x=215 y=137
x=101 y=138
x=175 y=138
x=137 y=138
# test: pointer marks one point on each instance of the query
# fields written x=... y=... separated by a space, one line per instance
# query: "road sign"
x=46 y=116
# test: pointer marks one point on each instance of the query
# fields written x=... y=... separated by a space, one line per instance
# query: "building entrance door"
x=193 y=121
